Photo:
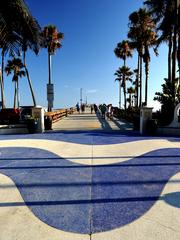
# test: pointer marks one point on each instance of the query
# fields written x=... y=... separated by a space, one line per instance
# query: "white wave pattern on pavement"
x=101 y=154
x=18 y=222
x=162 y=221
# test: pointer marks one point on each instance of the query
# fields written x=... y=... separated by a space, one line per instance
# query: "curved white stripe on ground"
x=160 y=222
x=101 y=154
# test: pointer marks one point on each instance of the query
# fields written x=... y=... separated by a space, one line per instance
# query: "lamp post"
x=50 y=86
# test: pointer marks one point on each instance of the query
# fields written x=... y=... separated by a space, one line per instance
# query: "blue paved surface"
x=88 y=199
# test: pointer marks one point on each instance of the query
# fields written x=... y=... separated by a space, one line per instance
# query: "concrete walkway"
x=89 y=185
x=87 y=121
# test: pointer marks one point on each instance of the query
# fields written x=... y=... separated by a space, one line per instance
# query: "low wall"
x=13 y=129
x=170 y=131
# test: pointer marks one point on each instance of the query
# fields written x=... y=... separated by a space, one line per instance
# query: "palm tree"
x=168 y=99
x=11 y=46
x=52 y=41
x=142 y=30
x=17 y=31
x=123 y=51
x=166 y=14
x=15 y=66
x=32 y=40
x=136 y=43
x=119 y=78
x=149 y=41
x=124 y=74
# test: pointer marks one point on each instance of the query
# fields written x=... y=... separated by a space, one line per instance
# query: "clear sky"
x=92 y=29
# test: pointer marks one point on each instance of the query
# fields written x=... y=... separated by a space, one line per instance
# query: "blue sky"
x=92 y=28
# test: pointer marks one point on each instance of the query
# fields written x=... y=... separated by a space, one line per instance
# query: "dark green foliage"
x=169 y=98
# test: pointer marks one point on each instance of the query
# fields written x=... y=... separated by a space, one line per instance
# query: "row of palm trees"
x=149 y=27
x=20 y=32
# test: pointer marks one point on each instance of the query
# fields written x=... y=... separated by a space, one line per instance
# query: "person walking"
x=103 y=110
x=92 y=108
x=77 y=107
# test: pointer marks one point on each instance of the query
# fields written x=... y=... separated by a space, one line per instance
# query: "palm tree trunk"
x=15 y=94
x=178 y=57
x=137 y=83
x=2 y=90
x=140 y=82
x=2 y=81
x=119 y=94
x=49 y=67
x=174 y=54
x=29 y=80
x=124 y=84
x=170 y=58
x=18 y=104
x=178 y=50
x=146 y=81
x=125 y=102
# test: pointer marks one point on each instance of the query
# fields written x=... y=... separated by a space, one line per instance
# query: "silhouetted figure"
x=92 y=108
x=110 y=112
x=103 y=110
x=95 y=108
x=77 y=107
x=82 y=108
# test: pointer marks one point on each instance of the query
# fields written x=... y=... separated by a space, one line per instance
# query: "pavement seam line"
x=91 y=207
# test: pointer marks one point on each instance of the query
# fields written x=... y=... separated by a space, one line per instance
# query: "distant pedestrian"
x=92 y=108
x=110 y=112
x=82 y=108
x=77 y=107
x=95 y=108
x=103 y=110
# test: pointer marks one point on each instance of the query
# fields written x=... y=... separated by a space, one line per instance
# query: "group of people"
x=78 y=108
x=105 y=110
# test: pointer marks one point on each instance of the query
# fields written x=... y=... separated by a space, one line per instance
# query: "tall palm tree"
x=22 y=26
x=52 y=41
x=119 y=78
x=15 y=66
x=166 y=14
x=11 y=46
x=149 y=41
x=31 y=40
x=134 y=35
x=123 y=51
x=142 y=29
x=124 y=74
